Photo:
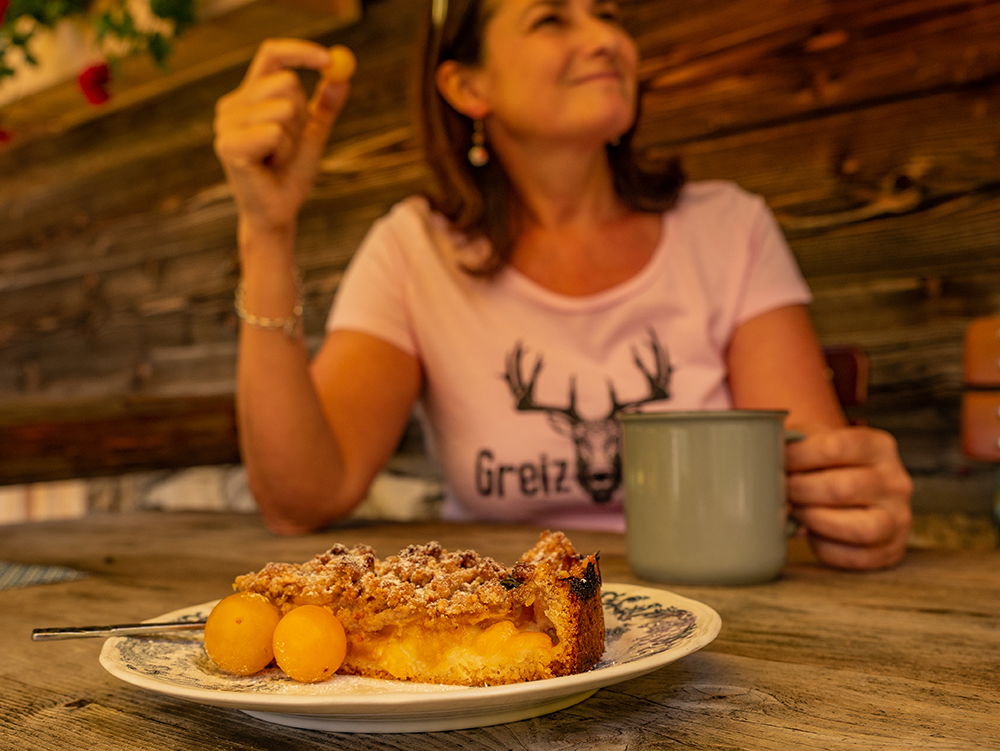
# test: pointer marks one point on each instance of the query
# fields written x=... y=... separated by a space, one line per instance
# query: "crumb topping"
x=423 y=580
x=436 y=591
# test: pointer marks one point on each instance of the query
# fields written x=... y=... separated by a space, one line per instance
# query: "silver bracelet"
x=287 y=325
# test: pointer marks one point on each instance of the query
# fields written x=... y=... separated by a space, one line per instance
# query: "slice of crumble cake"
x=434 y=616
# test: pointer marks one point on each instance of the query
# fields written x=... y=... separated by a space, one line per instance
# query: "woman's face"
x=558 y=69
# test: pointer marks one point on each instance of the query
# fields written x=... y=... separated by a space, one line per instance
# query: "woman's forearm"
x=269 y=136
x=294 y=464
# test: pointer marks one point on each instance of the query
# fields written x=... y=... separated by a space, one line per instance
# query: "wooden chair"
x=847 y=368
x=981 y=399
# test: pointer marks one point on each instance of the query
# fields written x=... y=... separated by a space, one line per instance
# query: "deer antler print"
x=659 y=380
x=597 y=443
x=524 y=393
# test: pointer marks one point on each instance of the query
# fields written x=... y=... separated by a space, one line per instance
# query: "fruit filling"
x=416 y=650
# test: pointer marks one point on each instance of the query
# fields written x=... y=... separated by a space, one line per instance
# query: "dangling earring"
x=478 y=155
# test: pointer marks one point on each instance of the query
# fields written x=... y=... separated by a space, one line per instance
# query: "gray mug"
x=705 y=496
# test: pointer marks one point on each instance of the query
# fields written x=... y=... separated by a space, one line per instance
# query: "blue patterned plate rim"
x=646 y=629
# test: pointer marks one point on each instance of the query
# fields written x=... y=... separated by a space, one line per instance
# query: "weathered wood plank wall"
x=871 y=126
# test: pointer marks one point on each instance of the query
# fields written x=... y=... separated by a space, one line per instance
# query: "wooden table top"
x=820 y=659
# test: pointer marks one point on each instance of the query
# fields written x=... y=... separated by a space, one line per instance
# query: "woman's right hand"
x=270 y=137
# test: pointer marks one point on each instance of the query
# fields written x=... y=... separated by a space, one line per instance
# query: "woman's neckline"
x=628 y=286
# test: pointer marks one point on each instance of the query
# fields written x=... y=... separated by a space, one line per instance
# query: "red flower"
x=3 y=9
x=94 y=82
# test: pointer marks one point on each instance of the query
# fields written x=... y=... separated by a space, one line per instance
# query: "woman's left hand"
x=850 y=492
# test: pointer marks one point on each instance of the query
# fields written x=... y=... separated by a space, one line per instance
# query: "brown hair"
x=480 y=201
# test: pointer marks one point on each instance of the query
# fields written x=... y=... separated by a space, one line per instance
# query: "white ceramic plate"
x=645 y=629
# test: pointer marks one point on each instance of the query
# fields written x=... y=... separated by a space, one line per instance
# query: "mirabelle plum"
x=493 y=639
x=239 y=633
x=503 y=638
x=309 y=643
x=341 y=66
x=528 y=641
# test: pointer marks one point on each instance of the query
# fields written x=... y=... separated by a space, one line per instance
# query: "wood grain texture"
x=870 y=126
x=102 y=436
x=820 y=659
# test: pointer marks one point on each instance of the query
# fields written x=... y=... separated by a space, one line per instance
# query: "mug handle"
x=793 y=525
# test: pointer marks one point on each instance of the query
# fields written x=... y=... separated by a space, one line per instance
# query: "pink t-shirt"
x=522 y=383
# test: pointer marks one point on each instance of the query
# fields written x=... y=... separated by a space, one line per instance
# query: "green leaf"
x=126 y=27
x=159 y=48
x=181 y=12
x=104 y=26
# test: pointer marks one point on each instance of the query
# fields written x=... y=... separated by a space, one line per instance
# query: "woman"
x=546 y=285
